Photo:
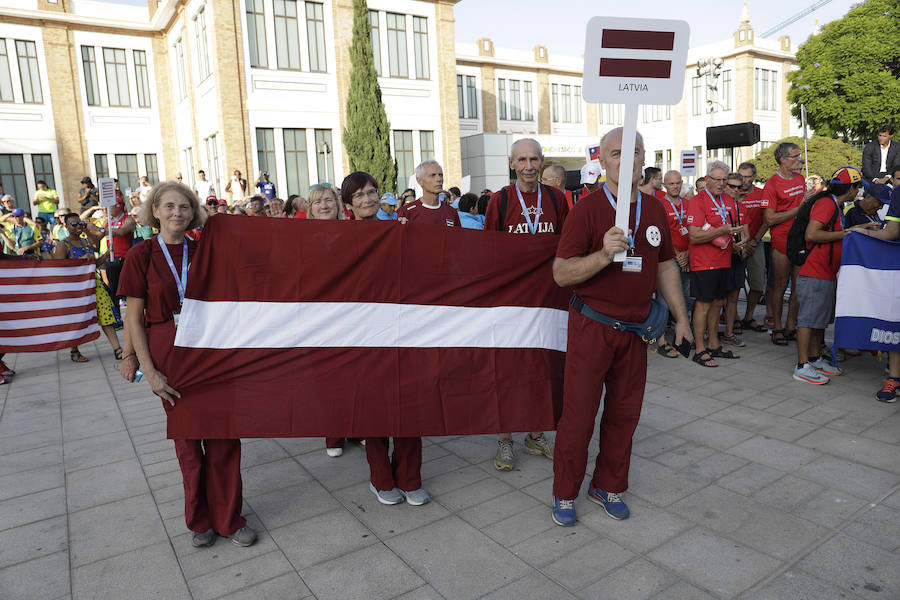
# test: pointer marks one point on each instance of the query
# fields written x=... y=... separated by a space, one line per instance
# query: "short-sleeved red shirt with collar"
x=676 y=211
x=416 y=212
x=817 y=264
x=753 y=213
x=612 y=292
x=146 y=275
x=781 y=195
x=702 y=210
x=551 y=219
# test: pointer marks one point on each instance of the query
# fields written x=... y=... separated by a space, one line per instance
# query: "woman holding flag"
x=153 y=280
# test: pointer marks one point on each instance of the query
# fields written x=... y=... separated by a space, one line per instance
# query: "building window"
x=566 y=106
x=287 y=40
x=265 y=151
x=101 y=167
x=611 y=114
x=324 y=155
x=315 y=31
x=554 y=104
x=698 y=151
x=91 y=85
x=726 y=90
x=12 y=178
x=151 y=168
x=179 y=65
x=765 y=89
x=296 y=161
x=460 y=99
x=668 y=159
x=6 y=89
x=256 y=33
x=202 y=45
x=212 y=166
x=375 y=38
x=28 y=72
x=420 y=46
x=472 y=97
x=116 y=77
x=403 y=154
x=696 y=96
x=127 y=172
x=527 y=112
x=188 y=173
x=658 y=159
x=141 y=78
x=426 y=145
x=515 y=100
x=397 y=57
x=501 y=95
x=43 y=169
x=577 y=105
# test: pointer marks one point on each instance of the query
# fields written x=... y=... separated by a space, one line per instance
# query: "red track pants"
x=211 y=470
x=598 y=356
x=402 y=470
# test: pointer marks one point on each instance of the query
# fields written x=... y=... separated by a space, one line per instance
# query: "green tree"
x=826 y=155
x=849 y=76
x=367 y=135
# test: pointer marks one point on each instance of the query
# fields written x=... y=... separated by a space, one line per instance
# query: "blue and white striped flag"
x=867 y=315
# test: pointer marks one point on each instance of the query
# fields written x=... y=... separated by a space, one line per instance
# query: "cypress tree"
x=366 y=136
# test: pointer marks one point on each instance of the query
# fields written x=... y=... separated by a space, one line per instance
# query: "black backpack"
x=504 y=200
x=797 y=248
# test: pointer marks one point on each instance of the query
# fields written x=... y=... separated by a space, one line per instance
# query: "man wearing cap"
x=387 y=210
x=21 y=238
x=429 y=209
x=817 y=280
x=264 y=186
x=590 y=174
x=87 y=194
x=866 y=210
x=525 y=208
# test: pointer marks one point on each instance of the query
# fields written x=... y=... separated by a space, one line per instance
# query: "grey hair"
x=5 y=196
x=717 y=164
x=537 y=144
x=420 y=168
x=639 y=139
x=782 y=149
x=558 y=171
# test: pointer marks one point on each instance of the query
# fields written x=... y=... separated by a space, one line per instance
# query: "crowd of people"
x=691 y=249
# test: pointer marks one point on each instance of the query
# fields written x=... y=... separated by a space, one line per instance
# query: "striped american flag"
x=46 y=305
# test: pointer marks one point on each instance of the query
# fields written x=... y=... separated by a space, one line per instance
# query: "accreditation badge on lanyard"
x=180 y=282
x=632 y=264
x=533 y=227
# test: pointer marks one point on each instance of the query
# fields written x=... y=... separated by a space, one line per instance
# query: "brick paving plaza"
x=744 y=484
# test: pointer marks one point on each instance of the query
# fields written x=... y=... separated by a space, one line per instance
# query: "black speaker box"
x=732 y=136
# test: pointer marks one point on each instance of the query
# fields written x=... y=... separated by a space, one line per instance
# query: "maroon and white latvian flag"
x=295 y=328
x=46 y=305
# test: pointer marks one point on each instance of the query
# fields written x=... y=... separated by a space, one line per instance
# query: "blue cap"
x=880 y=192
x=18 y=212
x=389 y=198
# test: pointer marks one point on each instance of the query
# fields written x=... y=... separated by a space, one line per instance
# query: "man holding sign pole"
x=600 y=352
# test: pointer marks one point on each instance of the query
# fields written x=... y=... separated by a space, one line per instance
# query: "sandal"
x=790 y=334
x=117 y=352
x=737 y=328
x=778 y=338
x=721 y=352
x=76 y=356
x=667 y=350
x=704 y=359
x=751 y=325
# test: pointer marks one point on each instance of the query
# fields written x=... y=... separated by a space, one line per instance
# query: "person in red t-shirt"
x=525 y=208
x=676 y=211
x=734 y=188
x=599 y=356
x=710 y=217
x=430 y=209
x=756 y=258
x=817 y=280
x=782 y=196
x=153 y=280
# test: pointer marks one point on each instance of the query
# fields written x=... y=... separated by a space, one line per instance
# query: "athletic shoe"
x=334 y=452
x=416 y=497
x=3 y=380
x=202 y=540
x=388 y=497
x=506 y=456
x=769 y=322
x=839 y=354
x=611 y=502
x=823 y=366
x=538 y=446
x=563 y=512
x=732 y=340
x=808 y=374
x=888 y=392
x=5 y=370
x=243 y=537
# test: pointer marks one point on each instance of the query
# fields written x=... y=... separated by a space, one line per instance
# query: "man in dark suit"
x=881 y=155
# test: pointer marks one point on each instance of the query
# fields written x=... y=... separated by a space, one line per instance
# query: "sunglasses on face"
x=733 y=185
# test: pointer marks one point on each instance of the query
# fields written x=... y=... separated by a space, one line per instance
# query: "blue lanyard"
x=637 y=216
x=679 y=212
x=180 y=282
x=537 y=217
x=723 y=213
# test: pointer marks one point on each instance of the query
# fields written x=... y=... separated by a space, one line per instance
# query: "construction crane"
x=812 y=8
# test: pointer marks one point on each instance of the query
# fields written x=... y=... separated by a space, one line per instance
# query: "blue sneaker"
x=416 y=497
x=389 y=497
x=563 y=512
x=611 y=503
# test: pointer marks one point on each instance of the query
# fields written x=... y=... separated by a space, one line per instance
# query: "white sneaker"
x=808 y=374
x=334 y=452
x=823 y=366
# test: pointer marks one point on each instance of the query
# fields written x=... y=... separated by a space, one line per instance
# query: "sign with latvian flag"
x=296 y=328
x=46 y=305
x=867 y=315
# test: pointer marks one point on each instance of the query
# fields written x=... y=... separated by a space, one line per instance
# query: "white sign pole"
x=805 y=135
x=107 y=187
x=626 y=168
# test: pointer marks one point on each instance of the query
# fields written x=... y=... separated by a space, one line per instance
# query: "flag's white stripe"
x=48 y=338
x=9 y=324
x=367 y=325
x=47 y=271
x=30 y=305
x=872 y=293
x=46 y=288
